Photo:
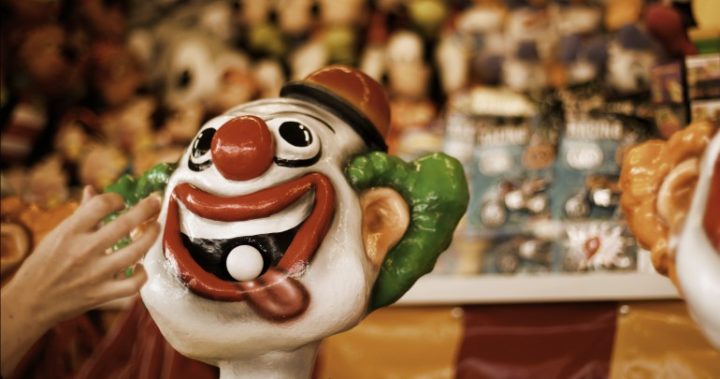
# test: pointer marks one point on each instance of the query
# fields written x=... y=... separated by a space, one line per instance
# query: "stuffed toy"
x=630 y=57
x=666 y=25
x=583 y=61
x=523 y=70
x=619 y=13
x=114 y=73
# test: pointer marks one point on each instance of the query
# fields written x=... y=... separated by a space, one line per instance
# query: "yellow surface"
x=707 y=13
x=659 y=340
x=398 y=342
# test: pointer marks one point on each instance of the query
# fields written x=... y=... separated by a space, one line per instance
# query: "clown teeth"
x=205 y=228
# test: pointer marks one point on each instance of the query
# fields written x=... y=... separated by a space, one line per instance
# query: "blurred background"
x=539 y=99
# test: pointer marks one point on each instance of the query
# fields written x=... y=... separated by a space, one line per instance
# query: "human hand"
x=70 y=272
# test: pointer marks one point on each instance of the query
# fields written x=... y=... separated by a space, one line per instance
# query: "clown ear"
x=436 y=193
x=385 y=218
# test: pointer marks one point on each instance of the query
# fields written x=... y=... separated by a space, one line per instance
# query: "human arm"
x=69 y=272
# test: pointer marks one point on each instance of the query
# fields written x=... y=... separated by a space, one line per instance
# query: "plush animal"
x=666 y=25
x=372 y=61
x=296 y=17
x=307 y=58
x=472 y=51
x=582 y=60
x=101 y=165
x=115 y=73
x=523 y=71
x=619 y=13
x=341 y=12
x=193 y=66
x=408 y=74
x=427 y=15
x=576 y=17
x=75 y=133
x=530 y=22
x=52 y=61
x=105 y=20
x=25 y=123
x=630 y=58
x=45 y=184
x=189 y=57
x=269 y=76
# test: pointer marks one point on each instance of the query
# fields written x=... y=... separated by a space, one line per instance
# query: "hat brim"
x=342 y=108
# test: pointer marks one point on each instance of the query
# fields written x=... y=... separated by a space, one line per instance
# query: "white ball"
x=244 y=263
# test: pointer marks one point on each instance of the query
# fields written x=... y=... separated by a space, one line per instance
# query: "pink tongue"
x=276 y=296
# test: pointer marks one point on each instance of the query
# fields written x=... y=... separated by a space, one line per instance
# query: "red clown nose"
x=242 y=149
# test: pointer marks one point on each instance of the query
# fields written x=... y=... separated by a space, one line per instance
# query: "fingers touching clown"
x=281 y=228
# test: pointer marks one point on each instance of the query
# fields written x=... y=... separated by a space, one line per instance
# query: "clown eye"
x=201 y=145
x=200 y=153
x=295 y=133
x=295 y=143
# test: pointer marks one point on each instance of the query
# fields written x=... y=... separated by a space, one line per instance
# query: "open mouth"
x=212 y=254
x=201 y=263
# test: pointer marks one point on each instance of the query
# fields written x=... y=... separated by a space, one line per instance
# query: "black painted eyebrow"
x=273 y=116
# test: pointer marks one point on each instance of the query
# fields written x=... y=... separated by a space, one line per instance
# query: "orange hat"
x=355 y=97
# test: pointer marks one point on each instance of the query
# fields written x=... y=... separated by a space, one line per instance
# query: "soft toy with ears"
x=285 y=222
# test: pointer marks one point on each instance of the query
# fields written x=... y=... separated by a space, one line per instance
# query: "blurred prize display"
x=538 y=98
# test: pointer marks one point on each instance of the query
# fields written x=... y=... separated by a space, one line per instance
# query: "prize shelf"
x=598 y=286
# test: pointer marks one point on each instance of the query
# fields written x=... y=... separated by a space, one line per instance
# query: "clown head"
x=267 y=247
x=671 y=198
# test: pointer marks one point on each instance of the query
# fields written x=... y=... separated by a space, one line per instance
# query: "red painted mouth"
x=276 y=294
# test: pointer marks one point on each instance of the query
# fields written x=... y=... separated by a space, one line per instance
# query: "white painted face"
x=698 y=263
x=214 y=326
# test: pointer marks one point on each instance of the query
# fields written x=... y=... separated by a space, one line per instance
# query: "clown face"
x=260 y=250
x=267 y=248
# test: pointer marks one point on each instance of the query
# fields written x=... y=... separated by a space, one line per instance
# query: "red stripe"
x=537 y=341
